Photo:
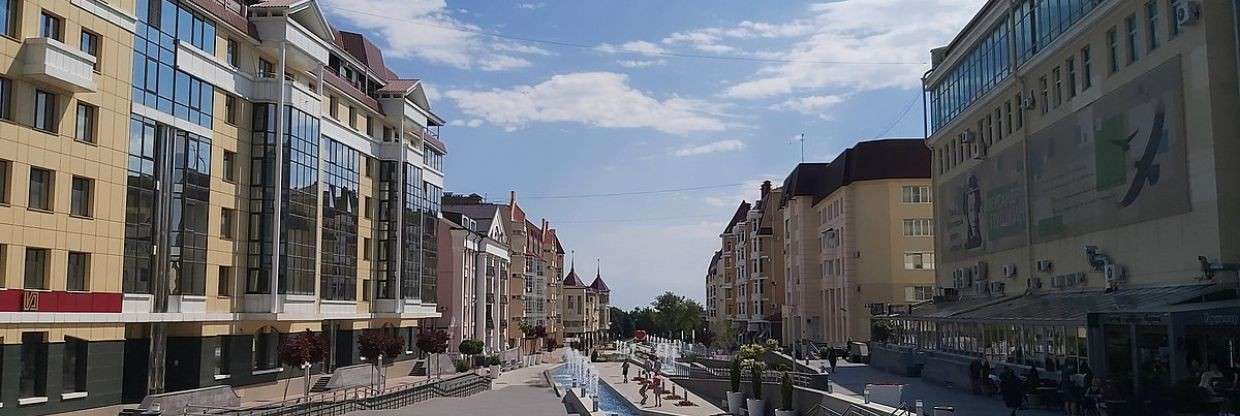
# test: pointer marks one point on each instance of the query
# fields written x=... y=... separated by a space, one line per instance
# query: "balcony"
x=304 y=50
x=51 y=62
x=267 y=87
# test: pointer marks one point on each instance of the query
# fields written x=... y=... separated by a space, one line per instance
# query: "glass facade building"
x=340 y=208
x=157 y=83
x=298 y=193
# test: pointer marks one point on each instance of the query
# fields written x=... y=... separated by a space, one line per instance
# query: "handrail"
x=358 y=398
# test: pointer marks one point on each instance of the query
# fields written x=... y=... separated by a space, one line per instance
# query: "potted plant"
x=493 y=364
x=736 y=398
x=785 y=397
x=755 y=404
x=470 y=348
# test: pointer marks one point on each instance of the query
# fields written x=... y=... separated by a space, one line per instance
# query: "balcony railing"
x=52 y=62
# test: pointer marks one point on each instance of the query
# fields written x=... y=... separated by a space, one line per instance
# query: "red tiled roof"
x=366 y=52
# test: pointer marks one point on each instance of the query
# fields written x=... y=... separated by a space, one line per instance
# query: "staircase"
x=321 y=383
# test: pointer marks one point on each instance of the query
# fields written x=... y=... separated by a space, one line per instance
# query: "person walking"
x=624 y=370
x=645 y=387
x=975 y=375
x=1012 y=390
x=832 y=357
x=658 y=390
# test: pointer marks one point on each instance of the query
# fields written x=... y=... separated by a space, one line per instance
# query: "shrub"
x=494 y=360
x=461 y=365
x=594 y=355
x=470 y=347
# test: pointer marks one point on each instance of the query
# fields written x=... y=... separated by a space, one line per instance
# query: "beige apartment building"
x=728 y=307
x=185 y=183
x=758 y=282
x=474 y=277
x=586 y=311
x=713 y=293
x=860 y=242
x=1083 y=178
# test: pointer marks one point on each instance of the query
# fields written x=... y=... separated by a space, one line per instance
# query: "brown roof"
x=868 y=160
x=366 y=52
x=741 y=211
x=399 y=85
x=342 y=84
x=277 y=3
x=572 y=279
x=599 y=285
x=221 y=12
x=434 y=142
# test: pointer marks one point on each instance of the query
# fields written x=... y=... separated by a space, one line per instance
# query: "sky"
x=564 y=100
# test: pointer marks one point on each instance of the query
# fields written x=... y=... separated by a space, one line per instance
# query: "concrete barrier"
x=353 y=375
x=903 y=361
x=804 y=399
x=175 y=402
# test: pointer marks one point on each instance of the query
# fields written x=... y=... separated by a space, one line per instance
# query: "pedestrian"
x=1069 y=393
x=1012 y=390
x=642 y=391
x=832 y=357
x=987 y=385
x=975 y=375
x=624 y=370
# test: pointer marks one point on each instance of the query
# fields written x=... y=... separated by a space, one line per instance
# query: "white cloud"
x=462 y=123
x=427 y=30
x=639 y=47
x=811 y=105
x=868 y=31
x=729 y=145
x=531 y=6
x=641 y=63
x=602 y=99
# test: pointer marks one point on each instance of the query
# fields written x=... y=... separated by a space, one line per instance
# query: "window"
x=230 y=166
x=1087 y=72
x=6 y=96
x=919 y=260
x=333 y=107
x=1044 y=86
x=365 y=249
x=1007 y=115
x=368 y=207
x=78 y=275
x=224 y=282
x=266 y=341
x=1058 y=86
x=370 y=126
x=50 y=26
x=1113 y=50
x=33 y=382
x=230 y=109
x=267 y=69
x=73 y=370
x=36 y=268
x=223 y=350
x=4 y=264
x=90 y=44
x=1134 y=43
x=45 y=111
x=918 y=293
x=1070 y=65
x=6 y=174
x=1020 y=111
x=226 y=223
x=42 y=184
x=81 y=201
x=84 y=127
x=352 y=118
x=918 y=227
x=915 y=195
x=231 y=53
x=1151 y=23
x=9 y=17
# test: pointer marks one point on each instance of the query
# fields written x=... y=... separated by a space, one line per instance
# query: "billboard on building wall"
x=1118 y=161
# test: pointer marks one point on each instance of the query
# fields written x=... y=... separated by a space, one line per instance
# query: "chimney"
x=766 y=189
x=512 y=205
x=544 y=229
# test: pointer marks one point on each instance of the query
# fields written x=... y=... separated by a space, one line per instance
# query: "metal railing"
x=808 y=380
x=854 y=410
x=342 y=401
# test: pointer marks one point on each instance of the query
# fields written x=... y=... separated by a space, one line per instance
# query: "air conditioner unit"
x=1114 y=273
x=1028 y=103
x=967 y=136
x=1009 y=270
x=1045 y=265
x=1187 y=13
x=997 y=288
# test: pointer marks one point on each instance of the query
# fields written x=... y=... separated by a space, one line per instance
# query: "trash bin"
x=944 y=411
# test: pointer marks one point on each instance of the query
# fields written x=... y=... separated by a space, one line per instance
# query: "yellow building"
x=1081 y=164
x=858 y=239
x=147 y=241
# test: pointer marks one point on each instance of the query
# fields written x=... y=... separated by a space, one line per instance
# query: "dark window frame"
x=77 y=272
x=45 y=199
x=45 y=112
x=77 y=206
x=86 y=123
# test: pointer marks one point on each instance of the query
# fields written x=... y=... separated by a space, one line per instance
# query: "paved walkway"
x=610 y=372
x=850 y=379
x=522 y=392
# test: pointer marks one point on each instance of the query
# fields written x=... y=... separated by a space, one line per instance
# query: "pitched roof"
x=867 y=160
x=572 y=279
x=482 y=214
x=741 y=211
x=363 y=50
x=599 y=285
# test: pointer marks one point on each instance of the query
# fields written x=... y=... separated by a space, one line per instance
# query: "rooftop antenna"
x=802 y=147
x=599 y=264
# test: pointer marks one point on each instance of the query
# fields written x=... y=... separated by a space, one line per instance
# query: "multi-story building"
x=713 y=278
x=183 y=183
x=586 y=310
x=757 y=286
x=802 y=312
x=733 y=290
x=1080 y=171
x=474 y=277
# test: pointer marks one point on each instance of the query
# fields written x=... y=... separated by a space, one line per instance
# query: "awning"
x=1072 y=306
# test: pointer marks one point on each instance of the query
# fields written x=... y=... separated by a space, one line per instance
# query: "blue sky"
x=623 y=109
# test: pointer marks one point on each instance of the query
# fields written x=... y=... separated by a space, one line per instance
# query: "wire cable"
x=899 y=118
x=593 y=47
x=633 y=193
